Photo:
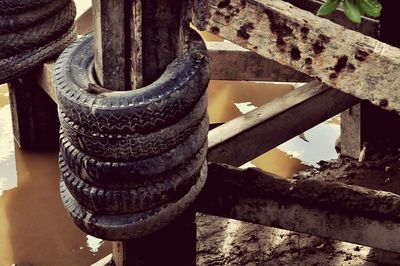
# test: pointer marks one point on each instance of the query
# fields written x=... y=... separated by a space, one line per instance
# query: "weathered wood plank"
x=34 y=115
x=112 y=47
x=341 y=58
x=334 y=210
x=138 y=39
x=231 y=62
x=275 y=122
x=368 y=26
x=243 y=65
x=352 y=132
x=366 y=122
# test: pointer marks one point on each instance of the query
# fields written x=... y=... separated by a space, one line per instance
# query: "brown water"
x=35 y=228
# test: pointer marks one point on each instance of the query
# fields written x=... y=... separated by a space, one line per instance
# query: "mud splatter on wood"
x=312 y=45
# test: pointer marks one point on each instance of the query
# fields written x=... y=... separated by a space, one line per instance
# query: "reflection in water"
x=319 y=145
x=228 y=100
x=34 y=227
x=8 y=176
x=94 y=243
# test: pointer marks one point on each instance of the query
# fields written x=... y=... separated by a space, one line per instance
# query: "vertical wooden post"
x=366 y=122
x=34 y=116
x=353 y=130
x=134 y=42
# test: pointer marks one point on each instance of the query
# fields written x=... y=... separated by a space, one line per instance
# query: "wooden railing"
x=281 y=42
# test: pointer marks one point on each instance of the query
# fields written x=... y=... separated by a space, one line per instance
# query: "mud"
x=231 y=242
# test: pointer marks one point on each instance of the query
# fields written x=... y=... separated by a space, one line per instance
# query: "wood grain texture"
x=341 y=58
x=275 y=122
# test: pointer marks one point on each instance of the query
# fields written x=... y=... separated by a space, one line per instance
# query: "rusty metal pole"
x=134 y=42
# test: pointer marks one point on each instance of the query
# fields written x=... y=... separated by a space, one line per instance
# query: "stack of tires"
x=131 y=161
x=32 y=32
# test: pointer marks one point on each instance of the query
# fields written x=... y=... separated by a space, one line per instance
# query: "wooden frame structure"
x=278 y=33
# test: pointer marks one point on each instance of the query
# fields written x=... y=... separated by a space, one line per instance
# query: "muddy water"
x=35 y=228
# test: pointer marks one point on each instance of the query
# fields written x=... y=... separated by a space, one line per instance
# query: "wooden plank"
x=368 y=26
x=134 y=43
x=243 y=65
x=232 y=62
x=333 y=210
x=344 y=59
x=366 y=123
x=275 y=122
x=112 y=46
x=34 y=115
x=352 y=134
x=164 y=29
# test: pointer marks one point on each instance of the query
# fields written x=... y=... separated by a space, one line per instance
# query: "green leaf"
x=371 y=7
x=328 y=7
x=352 y=11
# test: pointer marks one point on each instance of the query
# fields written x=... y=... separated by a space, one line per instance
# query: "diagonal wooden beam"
x=334 y=210
x=341 y=58
x=368 y=26
x=275 y=122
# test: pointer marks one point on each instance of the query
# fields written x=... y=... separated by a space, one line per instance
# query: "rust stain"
x=214 y=30
x=304 y=32
x=278 y=26
x=341 y=64
x=244 y=31
x=361 y=55
x=295 y=53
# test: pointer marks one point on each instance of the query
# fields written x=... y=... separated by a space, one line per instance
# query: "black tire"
x=15 y=66
x=155 y=106
x=135 y=146
x=14 y=22
x=147 y=195
x=122 y=175
x=39 y=34
x=128 y=226
x=15 y=6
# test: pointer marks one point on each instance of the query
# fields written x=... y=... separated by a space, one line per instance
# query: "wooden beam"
x=34 y=115
x=134 y=43
x=366 y=123
x=333 y=210
x=232 y=62
x=275 y=122
x=243 y=65
x=315 y=46
x=368 y=26
x=112 y=48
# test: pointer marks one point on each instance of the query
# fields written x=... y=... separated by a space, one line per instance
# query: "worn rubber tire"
x=155 y=106
x=37 y=35
x=121 y=175
x=13 y=22
x=16 y=6
x=146 y=195
x=15 y=66
x=128 y=226
x=127 y=147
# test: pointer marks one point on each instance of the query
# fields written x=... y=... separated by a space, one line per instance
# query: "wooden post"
x=366 y=122
x=34 y=116
x=134 y=42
